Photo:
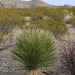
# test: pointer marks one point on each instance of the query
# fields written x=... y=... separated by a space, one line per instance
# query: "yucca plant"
x=34 y=49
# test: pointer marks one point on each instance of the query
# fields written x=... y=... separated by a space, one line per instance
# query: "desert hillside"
x=57 y=23
x=25 y=4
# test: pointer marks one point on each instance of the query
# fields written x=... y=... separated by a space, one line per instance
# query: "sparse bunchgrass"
x=34 y=49
x=67 y=59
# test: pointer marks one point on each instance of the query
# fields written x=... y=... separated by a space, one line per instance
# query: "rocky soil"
x=5 y=55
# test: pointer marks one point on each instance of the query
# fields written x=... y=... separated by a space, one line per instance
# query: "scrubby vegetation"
x=42 y=17
x=1 y=5
x=72 y=21
x=10 y=18
x=57 y=28
x=52 y=20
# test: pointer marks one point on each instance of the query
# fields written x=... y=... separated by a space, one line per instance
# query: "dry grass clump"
x=67 y=59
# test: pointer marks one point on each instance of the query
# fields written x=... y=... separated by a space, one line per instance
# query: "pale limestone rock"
x=27 y=18
x=68 y=14
x=16 y=31
x=45 y=17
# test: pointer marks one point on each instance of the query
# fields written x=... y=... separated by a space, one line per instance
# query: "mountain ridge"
x=25 y=4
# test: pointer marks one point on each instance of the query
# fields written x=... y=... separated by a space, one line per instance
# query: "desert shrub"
x=37 y=15
x=1 y=37
x=34 y=49
x=9 y=19
x=54 y=13
x=67 y=59
x=24 y=12
x=58 y=28
x=1 y=5
x=72 y=21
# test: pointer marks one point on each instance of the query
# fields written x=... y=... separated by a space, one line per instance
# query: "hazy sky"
x=59 y=2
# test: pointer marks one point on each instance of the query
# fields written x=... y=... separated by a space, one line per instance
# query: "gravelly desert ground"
x=5 y=55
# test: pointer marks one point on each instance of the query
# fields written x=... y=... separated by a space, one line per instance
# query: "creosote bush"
x=57 y=28
x=34 y=49
x=11 y=18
